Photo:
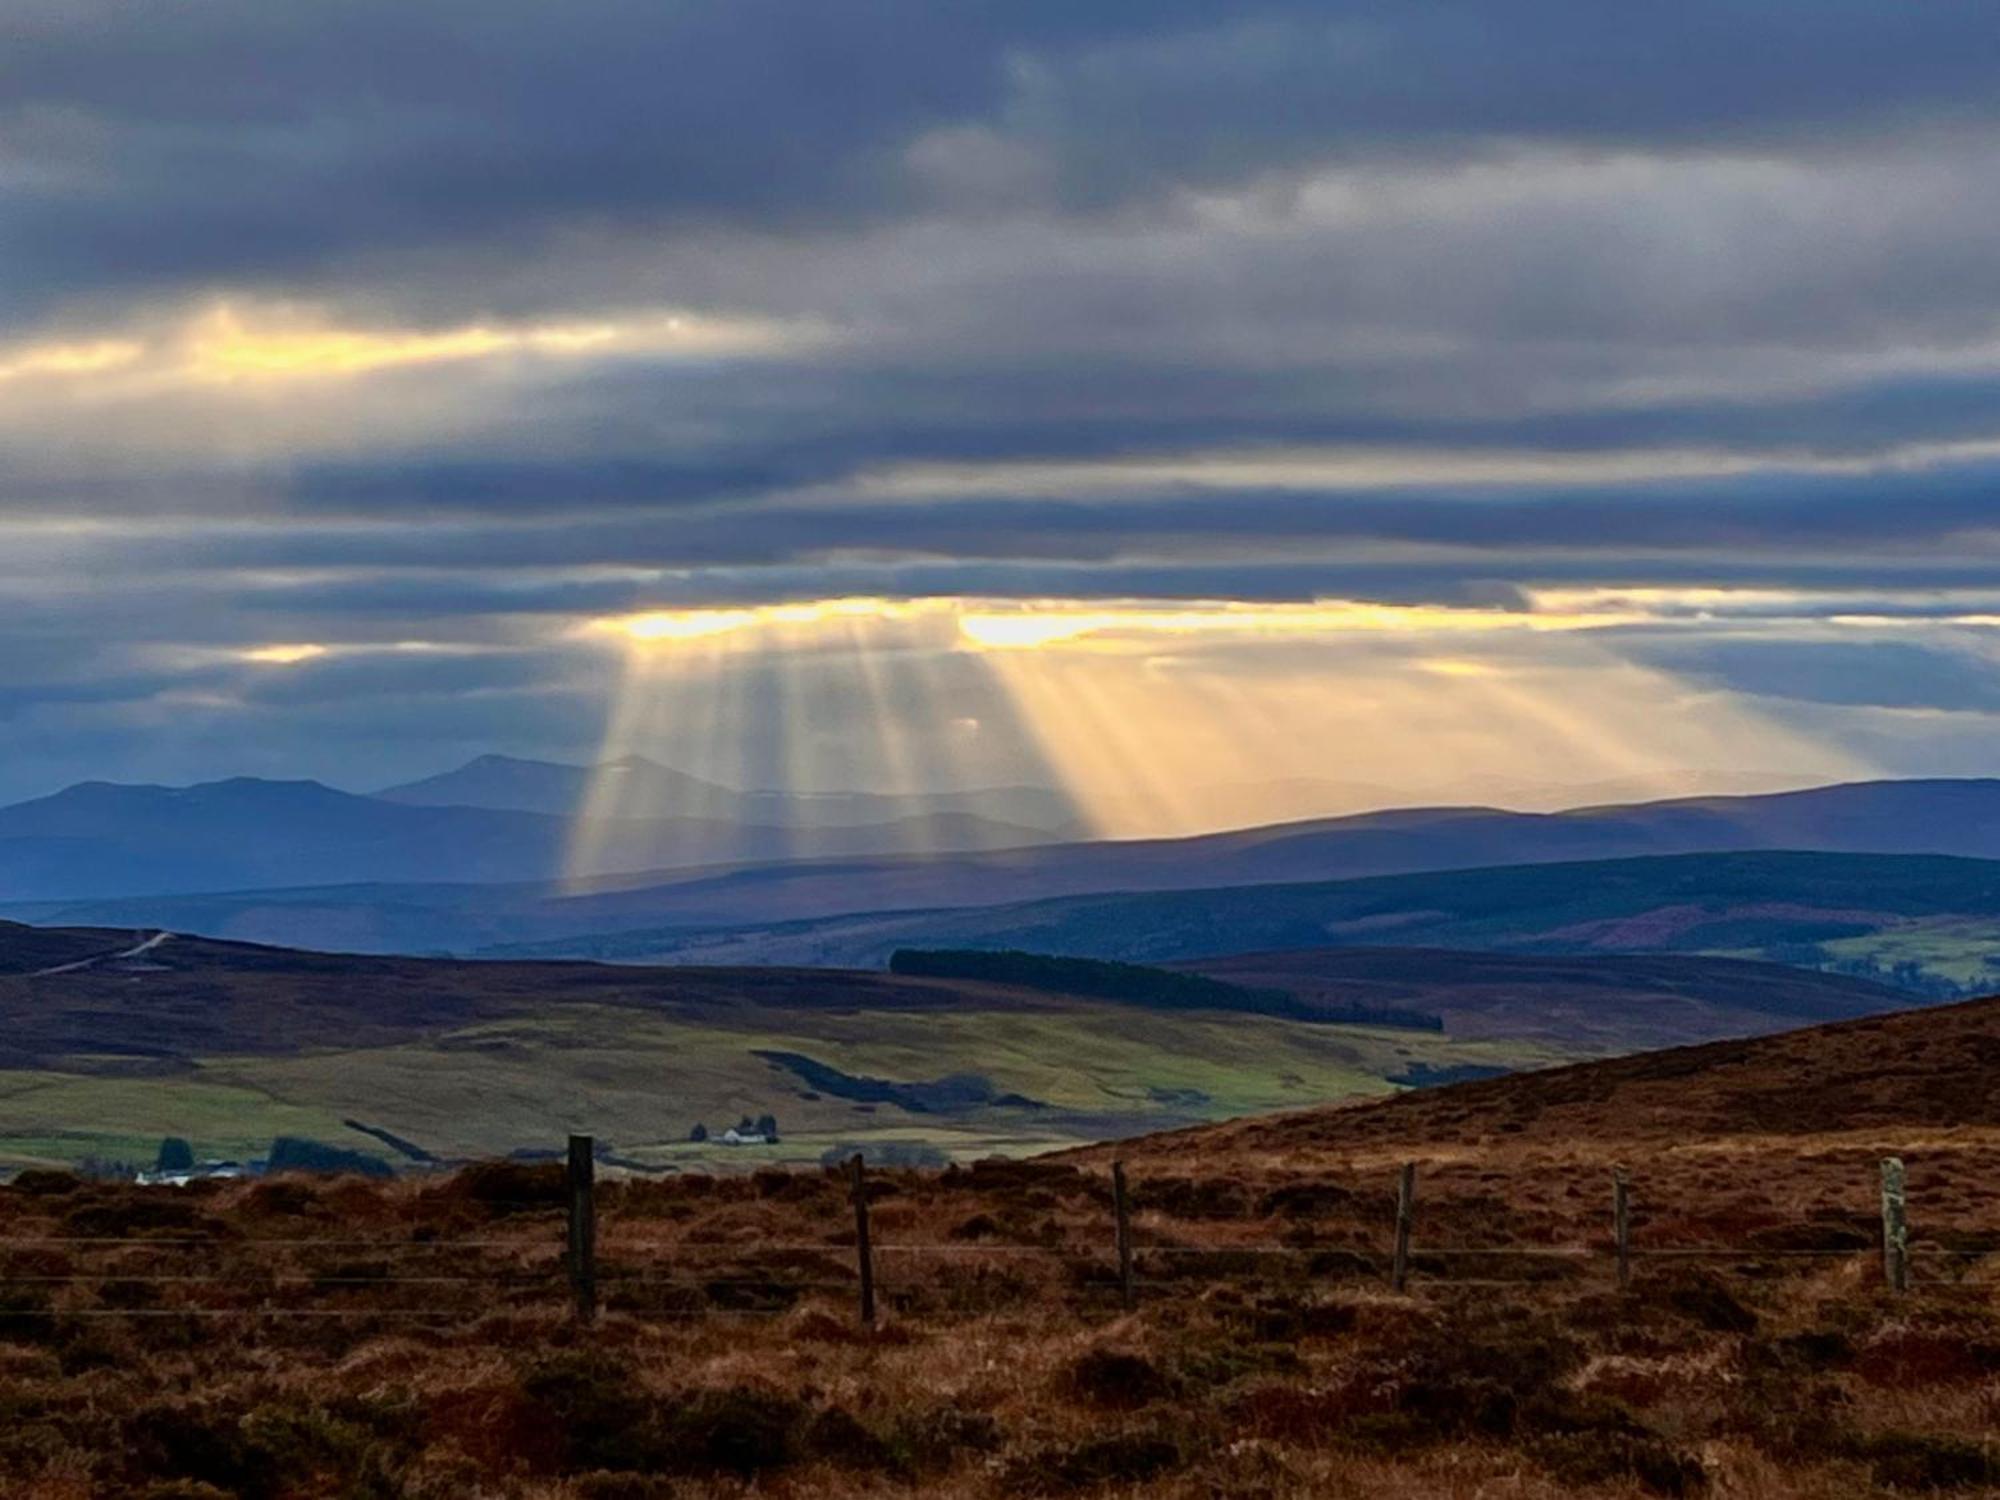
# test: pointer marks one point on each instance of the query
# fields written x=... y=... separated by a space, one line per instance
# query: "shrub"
x=26 y=1315
x=1713 y=1306
x=738 y=1431
x=1117 y=1379
x=1579 y=1459
x=1920 y=1461
x=837 y=1436
x=284 y=1199
x=264 y=1451
x=1117 y=1458
x=594 y=1405
x=291 y=1153
x=934 y=1437
x=512 y=1186
x=606 y=1484
x=137 y=1212
x=39 y=1182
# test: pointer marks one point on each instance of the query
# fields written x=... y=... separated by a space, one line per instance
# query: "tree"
x=699 y=1133
x=176 y=1155
x=767 y=1127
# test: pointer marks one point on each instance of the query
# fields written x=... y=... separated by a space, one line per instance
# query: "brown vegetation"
x=345 y=1339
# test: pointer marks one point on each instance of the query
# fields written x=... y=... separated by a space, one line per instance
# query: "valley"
x=231 y=1044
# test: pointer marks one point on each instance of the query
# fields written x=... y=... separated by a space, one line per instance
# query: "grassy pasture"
x=640 y=1081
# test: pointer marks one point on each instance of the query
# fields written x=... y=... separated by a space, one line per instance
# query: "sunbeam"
x=1146 y=720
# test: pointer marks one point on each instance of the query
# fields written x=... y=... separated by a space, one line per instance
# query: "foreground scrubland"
x=298 y=1338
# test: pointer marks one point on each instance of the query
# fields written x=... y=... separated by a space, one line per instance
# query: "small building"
x=735 y=1137
x=201 y=1171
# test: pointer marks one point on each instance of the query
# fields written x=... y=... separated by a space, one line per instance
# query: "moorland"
x=416 y=1339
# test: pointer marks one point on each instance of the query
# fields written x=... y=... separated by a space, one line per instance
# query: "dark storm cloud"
x=1871 y=674
x=1794 y=514
x=981 y=236
x=241 y=140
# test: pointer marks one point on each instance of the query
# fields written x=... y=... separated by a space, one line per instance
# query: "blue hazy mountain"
x=99 y=839
x=365 y=873
x=633 y=786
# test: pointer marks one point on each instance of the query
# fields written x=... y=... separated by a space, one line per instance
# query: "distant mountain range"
x=99 y=839
x=632 y=787
x=305 y=865
x=299 y=864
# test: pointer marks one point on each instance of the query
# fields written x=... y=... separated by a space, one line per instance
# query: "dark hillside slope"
x=28 y=950
x=1930 y=1070
x=1773 y=905
x=1599 y=1002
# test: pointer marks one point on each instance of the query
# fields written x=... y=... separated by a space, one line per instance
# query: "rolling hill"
x=1594 y=1003
x=1909 y=1080
x=1930 y=924
x=995 y=865
x=141 y=1036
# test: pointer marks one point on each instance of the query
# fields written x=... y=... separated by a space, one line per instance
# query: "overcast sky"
x=1561 y=389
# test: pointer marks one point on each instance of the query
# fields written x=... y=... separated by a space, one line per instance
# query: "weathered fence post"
x=1621 y=1224
x=1895 y=1227
x=1406 y=1212
x=864 y=1252
x=1122 y=1206
x=583 y=1225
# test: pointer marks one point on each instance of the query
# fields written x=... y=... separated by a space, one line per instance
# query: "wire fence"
x=556 y=1264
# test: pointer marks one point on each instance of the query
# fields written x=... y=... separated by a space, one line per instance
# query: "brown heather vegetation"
x=413 y=1339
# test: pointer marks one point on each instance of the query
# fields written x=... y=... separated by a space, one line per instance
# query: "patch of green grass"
x=640 y=1081
x=54 y=1118
x=1965 y=951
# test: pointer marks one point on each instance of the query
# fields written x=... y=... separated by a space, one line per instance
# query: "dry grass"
x=729 y=1360
x=349 y=1341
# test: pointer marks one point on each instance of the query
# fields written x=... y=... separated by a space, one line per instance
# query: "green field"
x=640 y=1082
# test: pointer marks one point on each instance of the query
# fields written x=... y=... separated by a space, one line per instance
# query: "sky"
x=1147 y=398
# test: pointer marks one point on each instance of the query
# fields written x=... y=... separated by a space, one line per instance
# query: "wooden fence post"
x=1406 y=1210
x=864 y=1253
x=1121 y=1205
x=1621 y=1224
x=583 y=1225
x=1895 y=1227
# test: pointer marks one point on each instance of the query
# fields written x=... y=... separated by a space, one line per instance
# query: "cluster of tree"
x=291 y=1153
x=1161 y=989
x=1908 y=975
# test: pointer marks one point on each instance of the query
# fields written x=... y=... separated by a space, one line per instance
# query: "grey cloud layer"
x=1031 y=231
x=236 y=138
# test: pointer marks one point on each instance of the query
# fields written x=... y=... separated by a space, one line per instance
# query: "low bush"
x=1116 y=1380
x=1123 y=1458
x=935 y=1437
x=505 y=1187
x=739 y=1431
x=1578 y=1459
x=1922 y=1461
x=592 y=1407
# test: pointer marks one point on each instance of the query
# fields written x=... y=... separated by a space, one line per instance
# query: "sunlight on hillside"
x=1154 y=719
